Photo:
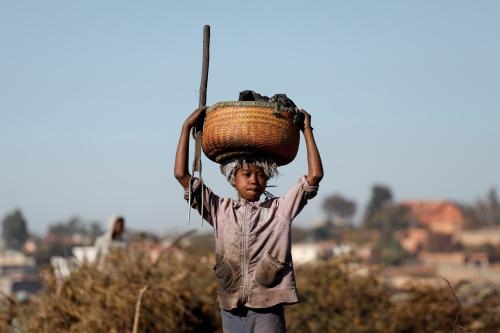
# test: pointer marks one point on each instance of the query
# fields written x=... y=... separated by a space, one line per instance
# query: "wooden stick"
x=138 y=309
x=204 y=68
x=198 y=127
x=203 y=97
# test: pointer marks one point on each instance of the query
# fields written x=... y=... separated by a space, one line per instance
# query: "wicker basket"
x=251 y=128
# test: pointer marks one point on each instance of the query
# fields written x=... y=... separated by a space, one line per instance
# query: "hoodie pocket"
x=270 y=271
x=225 y=275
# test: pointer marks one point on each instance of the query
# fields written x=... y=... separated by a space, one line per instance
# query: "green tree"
x=339 y=210
x=389 y=220
x=380 y=198
x=492 y=208
x=484 y=212
x=15 y=229
x=95 y=230
x=74 y=225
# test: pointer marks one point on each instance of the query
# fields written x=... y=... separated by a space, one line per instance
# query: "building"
x=309 y=252
x=478 y=237
x=442 y=217
x=437 y=222
x=18 y=274
x=413 y=240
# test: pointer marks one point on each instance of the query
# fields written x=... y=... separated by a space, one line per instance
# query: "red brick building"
x=438 y=222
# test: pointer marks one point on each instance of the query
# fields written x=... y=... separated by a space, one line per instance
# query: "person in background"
x=112 y=239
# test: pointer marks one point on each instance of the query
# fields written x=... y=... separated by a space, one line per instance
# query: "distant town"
x=406 y=242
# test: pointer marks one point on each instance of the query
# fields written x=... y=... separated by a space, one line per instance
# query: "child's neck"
x=246 y=200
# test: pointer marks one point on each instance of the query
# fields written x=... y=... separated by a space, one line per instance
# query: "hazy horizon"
x=93 y=95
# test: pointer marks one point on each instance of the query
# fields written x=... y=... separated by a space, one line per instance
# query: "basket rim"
x=261 y=104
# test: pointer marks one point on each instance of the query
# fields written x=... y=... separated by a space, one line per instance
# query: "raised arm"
x=315 y=167
x=181 y=170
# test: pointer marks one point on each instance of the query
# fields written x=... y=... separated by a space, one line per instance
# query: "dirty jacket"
x=253 y=245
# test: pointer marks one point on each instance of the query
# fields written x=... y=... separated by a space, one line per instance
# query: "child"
x=254 y=267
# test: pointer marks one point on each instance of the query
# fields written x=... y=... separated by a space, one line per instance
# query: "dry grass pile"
x=336 y=300
x=7 y=314
x=181 y=297
x=438 y=310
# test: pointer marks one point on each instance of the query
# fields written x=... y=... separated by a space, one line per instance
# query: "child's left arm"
x=292 y=202
x=315 y=167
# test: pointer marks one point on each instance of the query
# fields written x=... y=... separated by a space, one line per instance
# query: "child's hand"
x=196 y=118
x=307 y=120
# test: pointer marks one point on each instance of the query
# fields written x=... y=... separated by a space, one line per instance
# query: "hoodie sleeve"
x=210 y=200
x=290 y=204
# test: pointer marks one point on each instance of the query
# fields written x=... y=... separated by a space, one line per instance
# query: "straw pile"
x=180 y=297
x=336 y=299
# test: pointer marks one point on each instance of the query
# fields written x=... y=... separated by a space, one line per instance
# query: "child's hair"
x=229 y=166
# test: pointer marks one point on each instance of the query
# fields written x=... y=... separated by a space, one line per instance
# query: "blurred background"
x=404 y=102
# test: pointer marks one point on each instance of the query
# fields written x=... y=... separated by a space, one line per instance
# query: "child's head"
x=249 y=175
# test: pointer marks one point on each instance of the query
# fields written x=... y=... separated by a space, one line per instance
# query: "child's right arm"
x=182 y=174
x=181 y=170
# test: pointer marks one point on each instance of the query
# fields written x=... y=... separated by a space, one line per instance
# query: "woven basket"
x=250 y=128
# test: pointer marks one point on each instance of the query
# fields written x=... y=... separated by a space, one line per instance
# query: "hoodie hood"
x=111 y=226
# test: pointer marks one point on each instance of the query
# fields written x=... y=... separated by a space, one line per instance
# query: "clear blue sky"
x=93 y=94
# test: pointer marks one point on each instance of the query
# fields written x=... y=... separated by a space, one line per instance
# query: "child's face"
x=250 y=182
